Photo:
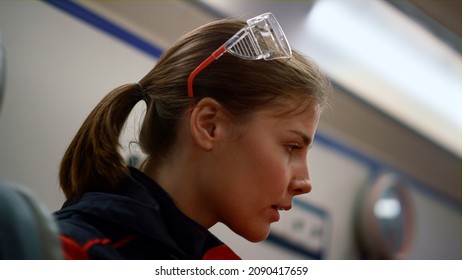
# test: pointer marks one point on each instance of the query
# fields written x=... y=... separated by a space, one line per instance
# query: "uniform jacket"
x=137 y=221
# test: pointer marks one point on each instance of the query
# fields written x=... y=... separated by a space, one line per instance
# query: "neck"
x=177 y=178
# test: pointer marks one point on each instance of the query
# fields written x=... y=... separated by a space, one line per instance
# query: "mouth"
x=276 y=209
x=282 y=208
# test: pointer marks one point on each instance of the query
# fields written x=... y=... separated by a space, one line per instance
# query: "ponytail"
x=92 y=161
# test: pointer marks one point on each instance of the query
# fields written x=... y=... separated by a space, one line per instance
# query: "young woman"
x=227 y=144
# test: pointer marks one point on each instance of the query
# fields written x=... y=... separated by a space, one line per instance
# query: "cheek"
x=253 y=169
x=254 y=177
x=272 y=168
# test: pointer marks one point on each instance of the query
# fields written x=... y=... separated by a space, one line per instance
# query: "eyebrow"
x=306 y=139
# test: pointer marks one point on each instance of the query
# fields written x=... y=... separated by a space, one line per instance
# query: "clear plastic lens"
x=262 y=38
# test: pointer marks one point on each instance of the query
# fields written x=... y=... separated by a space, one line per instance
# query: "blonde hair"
x=92 y=161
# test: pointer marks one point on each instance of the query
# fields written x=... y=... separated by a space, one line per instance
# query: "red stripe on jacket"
x=74 y=251
x=221 y=252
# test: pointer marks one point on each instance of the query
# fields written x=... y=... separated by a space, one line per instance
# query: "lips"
x=283 y=208
x=276 y=208
x=275 y=214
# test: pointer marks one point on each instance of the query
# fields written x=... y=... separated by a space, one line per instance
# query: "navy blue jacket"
x=139 y=220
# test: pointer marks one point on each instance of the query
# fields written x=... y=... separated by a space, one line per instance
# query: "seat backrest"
x=27 y=228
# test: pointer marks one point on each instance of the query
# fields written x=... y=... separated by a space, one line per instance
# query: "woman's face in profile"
x=256 y=174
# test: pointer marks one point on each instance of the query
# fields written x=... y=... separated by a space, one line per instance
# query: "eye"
x=293 y=147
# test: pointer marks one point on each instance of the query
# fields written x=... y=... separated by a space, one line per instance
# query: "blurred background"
x=386 y=163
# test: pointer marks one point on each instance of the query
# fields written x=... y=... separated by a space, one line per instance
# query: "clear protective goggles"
x=261 y=38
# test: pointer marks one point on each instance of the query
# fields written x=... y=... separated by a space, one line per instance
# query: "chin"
x=251 y=231
x=256 y=236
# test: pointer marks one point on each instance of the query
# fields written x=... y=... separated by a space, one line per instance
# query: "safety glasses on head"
x=261 y=38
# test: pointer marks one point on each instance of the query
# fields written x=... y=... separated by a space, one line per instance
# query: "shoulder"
x=109 y=229
x=80 y=239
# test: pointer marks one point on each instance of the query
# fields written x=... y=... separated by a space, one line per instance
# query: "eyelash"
x=292 y=147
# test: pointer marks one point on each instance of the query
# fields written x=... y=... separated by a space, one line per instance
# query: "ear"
x=208 y=123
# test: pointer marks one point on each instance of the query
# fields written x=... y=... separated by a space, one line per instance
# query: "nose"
x=300 y=186
x=300 y=182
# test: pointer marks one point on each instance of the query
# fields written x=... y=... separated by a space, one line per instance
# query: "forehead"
x=289 y=115
x=292 y=107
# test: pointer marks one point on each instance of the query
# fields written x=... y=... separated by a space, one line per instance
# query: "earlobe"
x=206 y=123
